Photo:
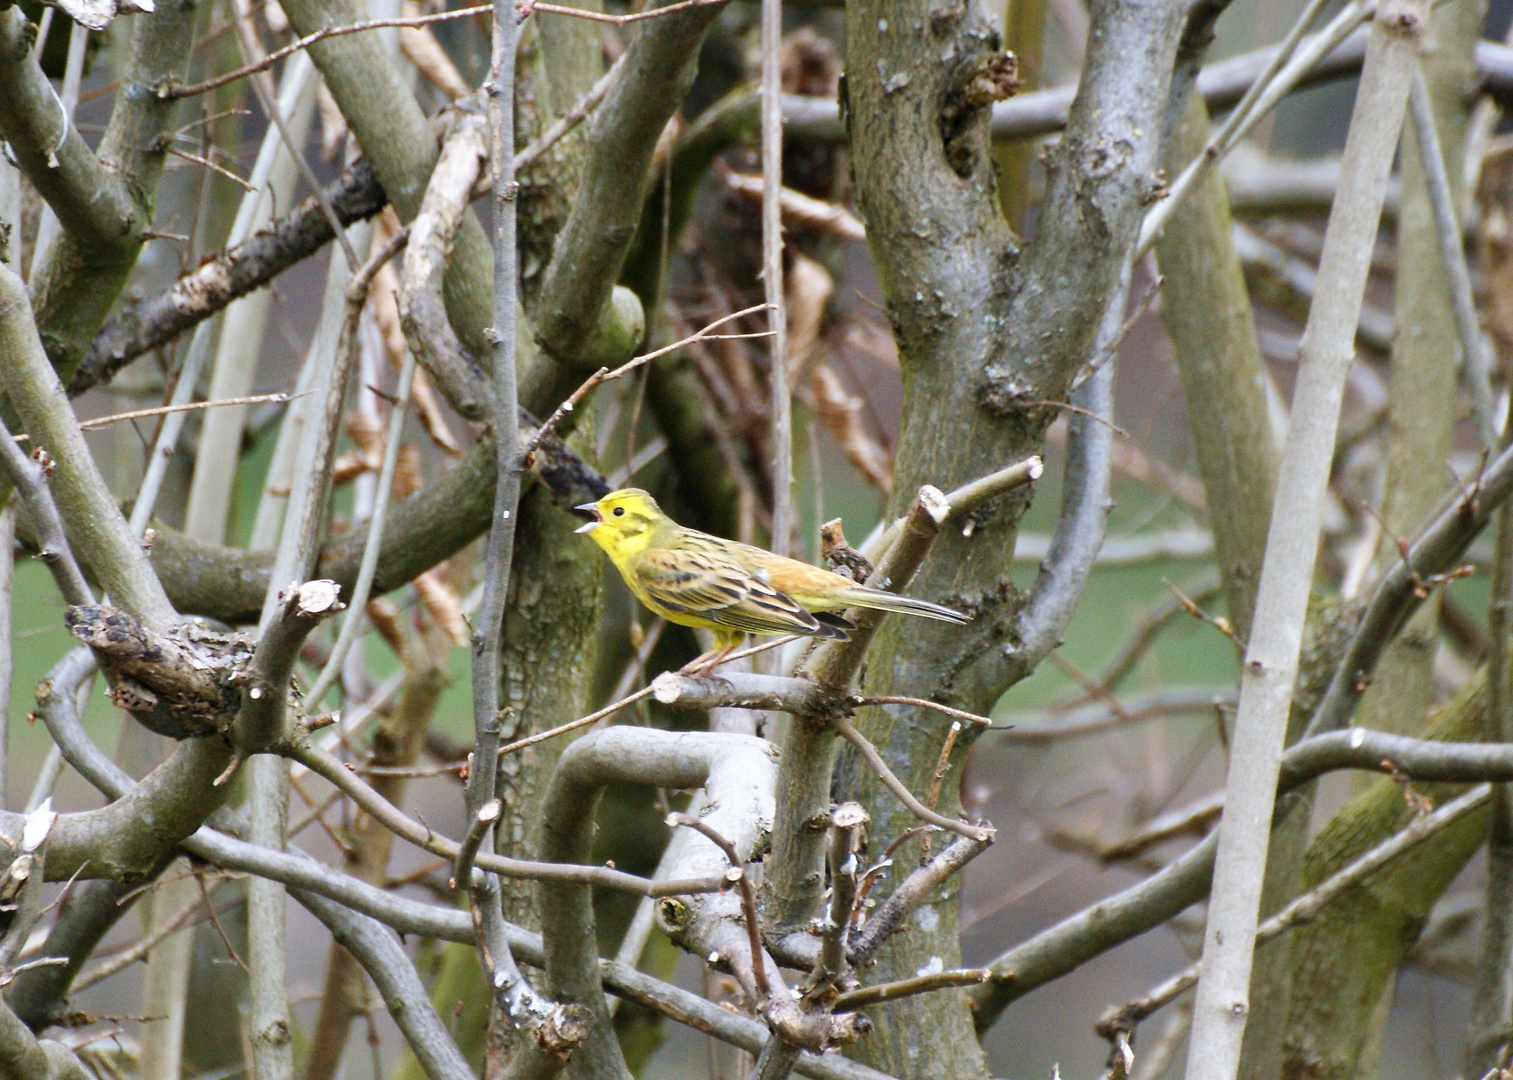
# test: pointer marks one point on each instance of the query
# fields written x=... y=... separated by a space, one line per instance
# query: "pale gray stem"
x=1476 y=354
x=232 y=373
x=1292 y=545
x=374 y=542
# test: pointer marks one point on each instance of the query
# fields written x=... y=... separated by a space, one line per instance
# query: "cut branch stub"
x=974 y=87
x=563 y=1030
x=265 y=682
x=181 y=684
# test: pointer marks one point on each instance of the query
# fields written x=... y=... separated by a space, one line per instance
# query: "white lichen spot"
x=927 y=919
x=934 y=966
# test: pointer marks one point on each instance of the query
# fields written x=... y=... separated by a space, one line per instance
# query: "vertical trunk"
x=985 y=336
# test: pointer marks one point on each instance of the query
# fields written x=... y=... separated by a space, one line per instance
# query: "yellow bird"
x=732 y=589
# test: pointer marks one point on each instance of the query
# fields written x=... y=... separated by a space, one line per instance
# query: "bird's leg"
x=704 y=664
x=692 y=667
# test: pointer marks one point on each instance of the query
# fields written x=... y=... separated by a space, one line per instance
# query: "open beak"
x=590 y=511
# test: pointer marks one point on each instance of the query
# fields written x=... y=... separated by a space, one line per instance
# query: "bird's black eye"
x=619 y=511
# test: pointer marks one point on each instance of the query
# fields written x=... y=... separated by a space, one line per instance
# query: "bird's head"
x=625 y=522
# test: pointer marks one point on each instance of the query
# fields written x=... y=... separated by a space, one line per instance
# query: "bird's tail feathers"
x=904 y=605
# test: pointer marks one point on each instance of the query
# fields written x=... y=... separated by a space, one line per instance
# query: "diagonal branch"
x=142 y=326
x=98 y=532
x=381 y=956
x=658 y=68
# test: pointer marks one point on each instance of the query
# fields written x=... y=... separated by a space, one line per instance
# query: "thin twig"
x=527 y=7
x=569 y=120
x=422 y=836
x=942 y=766
x=267 y=96
x=373 y=545
x=1287 y=70
x=30 y=480
x=164 y=410
x=173 y=93
x=1475 y=353
x=921 y=703
x=138 y=950
x=912 y=892
x=212 y=166
x=571 y=725
x=604 y=375
x=462 y=867
x=1305 y=907
x=894 y=784
x=919 y=984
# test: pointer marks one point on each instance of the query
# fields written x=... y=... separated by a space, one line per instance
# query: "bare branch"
x=1476 y=354
x=266 y=63
x=924 y=813
x=578 y=283
x=604 y=375
x=406 y=828
x=1405 y=584
x=92 y=202
x=913 y=891
x=919 y=984
x=422 y=308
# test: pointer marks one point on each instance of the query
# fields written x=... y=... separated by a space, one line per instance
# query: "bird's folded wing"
x=702 y=581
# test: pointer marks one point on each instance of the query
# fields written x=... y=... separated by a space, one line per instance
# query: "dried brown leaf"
x=347 y=468
x=333 y=125
x=442 y=604
x=384 y=614
x=367 y=433
x=841 y=413
x=426 y=53
x=810 y=287
x=407 y=475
